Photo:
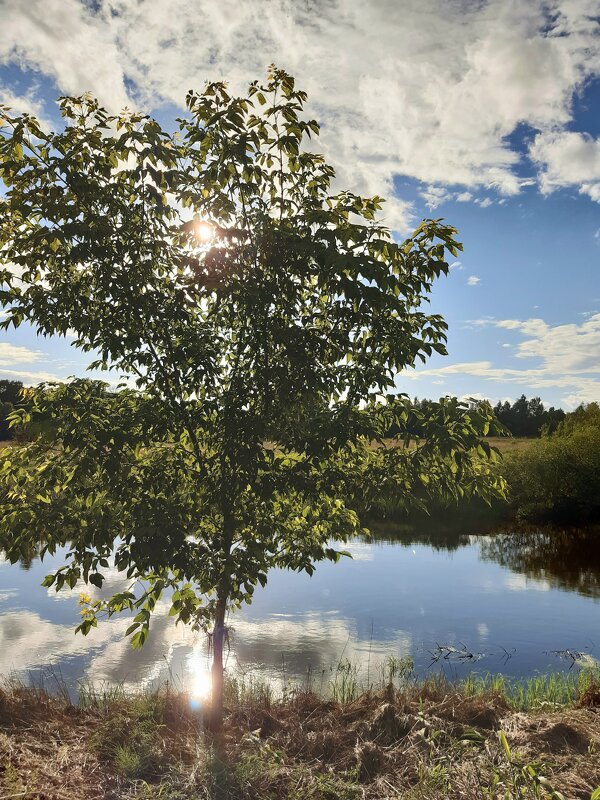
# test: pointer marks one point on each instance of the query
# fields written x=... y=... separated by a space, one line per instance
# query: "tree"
x=9 y=396
x=259 y=319
x=528 y=417
x=586 y=415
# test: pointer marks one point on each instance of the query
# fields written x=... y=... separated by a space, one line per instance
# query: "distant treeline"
x=528 y=417
x=522 y=418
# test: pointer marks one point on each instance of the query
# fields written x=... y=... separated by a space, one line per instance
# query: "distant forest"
x=524 y=417
x=528 y=417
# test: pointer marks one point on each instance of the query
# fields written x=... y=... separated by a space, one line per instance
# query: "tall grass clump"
x=553 y=690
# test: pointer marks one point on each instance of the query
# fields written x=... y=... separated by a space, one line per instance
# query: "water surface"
x=452 y=600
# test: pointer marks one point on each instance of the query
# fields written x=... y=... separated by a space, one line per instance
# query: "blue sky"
x=484 y=113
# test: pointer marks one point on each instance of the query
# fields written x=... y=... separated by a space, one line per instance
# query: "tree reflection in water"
x=567 y=558
x=449 y=532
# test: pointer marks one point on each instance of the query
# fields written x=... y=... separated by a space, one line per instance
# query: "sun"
x=204 y=231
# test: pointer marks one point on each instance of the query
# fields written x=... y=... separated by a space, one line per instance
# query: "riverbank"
x=430 y=740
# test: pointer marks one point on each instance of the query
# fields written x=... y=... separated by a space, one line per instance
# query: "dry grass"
x=509 y=444
x=418 y=744
x=506 y=444
x=52 y=750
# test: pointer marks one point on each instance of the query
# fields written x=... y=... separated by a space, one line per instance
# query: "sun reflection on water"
x=200 y=679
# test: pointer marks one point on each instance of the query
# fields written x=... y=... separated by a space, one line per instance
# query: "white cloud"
x=11 y=354
x=62 y=39
x=568 y=158
x=29 y=378
x=563 y=349
x=434 y=196
x=567 y=357
x=521 y=583
x=428 y=90
x=473 y=280
x=28 y=103
x=483 y=630
x=29 y=642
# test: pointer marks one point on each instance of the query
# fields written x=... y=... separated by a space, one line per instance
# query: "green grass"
x=555 y=690
x=129 y=737
x=346 y=681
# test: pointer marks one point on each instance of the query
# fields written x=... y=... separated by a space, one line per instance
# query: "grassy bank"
x=431 y=740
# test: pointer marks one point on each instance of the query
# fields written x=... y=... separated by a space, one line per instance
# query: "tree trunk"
x=215 y=720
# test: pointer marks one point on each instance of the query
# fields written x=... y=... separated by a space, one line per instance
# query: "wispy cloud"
x=29 y=103
x=562 y=349
x=29 y=378
x=473 y=280
x=566 y=357
x=15 y=354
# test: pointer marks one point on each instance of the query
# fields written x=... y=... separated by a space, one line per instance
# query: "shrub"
x=558 y=477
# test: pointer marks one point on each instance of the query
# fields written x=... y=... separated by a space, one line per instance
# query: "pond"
x=453 y=600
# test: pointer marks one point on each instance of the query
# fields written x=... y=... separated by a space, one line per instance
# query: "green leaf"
x=138 y=639
x=132 y=628
x=505 y=745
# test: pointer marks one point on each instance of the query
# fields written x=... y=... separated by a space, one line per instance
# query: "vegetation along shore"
x=481 y=739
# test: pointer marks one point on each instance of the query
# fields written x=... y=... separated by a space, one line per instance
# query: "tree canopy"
x=260 y=321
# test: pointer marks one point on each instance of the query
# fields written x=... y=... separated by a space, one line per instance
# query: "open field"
x=416 y=743
x=506 y=444
x=509 y=444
